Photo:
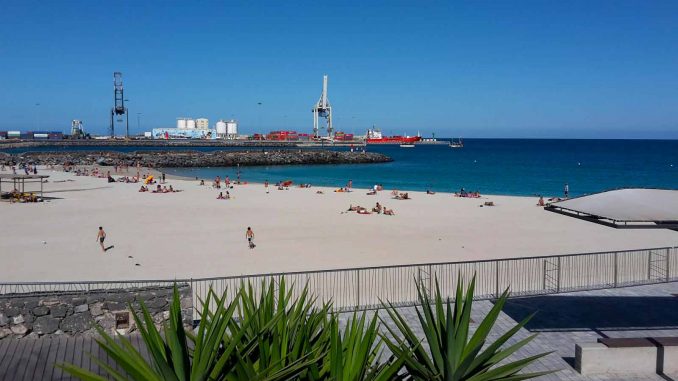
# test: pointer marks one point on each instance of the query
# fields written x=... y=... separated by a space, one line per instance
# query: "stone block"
x=106 y=321
x=78 y=301
x=58 y=311
x=96 y=309
x=121 y=297
x=19 y=330
x=18 y=319
x=45 y=325
x=81 y=308
x=115 y=306
x=161 y=317
x=157 y=304
x=40 y=311
x=4 y=320
x=12 y=311
x=30 y=304
x=50 y=302
x=597 y=358
x=17 y=303
x=76 y=323
x=186 y=302
x=94 y=298
x=4 y=332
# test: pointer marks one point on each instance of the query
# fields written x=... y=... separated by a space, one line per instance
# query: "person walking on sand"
x=266 y=186
x=249 y=234
x=101 y=236
x=567 y=191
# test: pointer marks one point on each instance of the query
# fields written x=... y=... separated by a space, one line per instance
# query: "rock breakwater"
x=175 y=159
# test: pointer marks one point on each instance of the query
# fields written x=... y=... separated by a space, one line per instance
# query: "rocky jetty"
x=173 y=159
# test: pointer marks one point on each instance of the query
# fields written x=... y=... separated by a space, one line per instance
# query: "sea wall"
x=13 y=143
x=169 y=159
x=76 y=313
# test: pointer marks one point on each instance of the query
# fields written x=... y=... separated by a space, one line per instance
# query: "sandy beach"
x=192 y=234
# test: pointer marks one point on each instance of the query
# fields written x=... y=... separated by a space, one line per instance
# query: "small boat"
x=457 y=144
x=407 y=146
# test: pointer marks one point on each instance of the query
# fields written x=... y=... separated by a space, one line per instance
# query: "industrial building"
x=32 y=135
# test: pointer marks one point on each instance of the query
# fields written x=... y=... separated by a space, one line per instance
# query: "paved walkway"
x=561 y=321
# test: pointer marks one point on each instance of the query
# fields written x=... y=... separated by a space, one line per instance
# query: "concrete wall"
x=75 y=313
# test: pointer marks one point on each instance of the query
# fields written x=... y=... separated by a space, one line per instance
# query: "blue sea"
x=524 y=167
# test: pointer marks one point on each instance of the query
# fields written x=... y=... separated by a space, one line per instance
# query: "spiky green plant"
x=287 y=329
x=452 y=353
x=355 y=352
x=218 y=351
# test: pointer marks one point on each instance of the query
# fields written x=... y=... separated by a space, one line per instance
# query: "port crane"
x=322 y=109
x=119 y=108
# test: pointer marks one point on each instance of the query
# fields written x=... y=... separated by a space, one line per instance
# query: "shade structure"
x=633 y=208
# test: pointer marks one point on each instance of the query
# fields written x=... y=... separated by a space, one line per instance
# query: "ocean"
x=524 y=167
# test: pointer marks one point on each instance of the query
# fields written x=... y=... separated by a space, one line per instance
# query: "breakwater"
x=176 y=159
x=13 y=144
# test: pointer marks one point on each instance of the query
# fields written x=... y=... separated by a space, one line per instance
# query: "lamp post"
x=259 y=117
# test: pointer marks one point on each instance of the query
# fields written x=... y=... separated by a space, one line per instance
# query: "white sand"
x=191 y=234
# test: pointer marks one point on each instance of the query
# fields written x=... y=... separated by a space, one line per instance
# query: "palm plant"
x=453 y=353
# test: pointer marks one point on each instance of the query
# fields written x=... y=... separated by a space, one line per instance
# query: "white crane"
x=324 y=110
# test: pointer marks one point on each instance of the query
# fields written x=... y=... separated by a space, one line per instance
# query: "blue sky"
x=588 y=69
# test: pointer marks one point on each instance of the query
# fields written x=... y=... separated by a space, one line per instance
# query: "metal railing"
x=366 y=287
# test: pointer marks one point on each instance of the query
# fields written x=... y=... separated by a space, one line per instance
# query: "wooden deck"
x=34 y=359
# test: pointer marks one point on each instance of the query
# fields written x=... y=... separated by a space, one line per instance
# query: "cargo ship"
x=374 y=136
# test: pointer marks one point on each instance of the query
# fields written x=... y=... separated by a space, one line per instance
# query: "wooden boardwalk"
x=34 y=359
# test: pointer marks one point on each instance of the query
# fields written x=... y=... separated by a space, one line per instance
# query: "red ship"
x=374 y=136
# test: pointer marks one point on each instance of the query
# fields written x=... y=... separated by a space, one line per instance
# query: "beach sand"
x=191 y=234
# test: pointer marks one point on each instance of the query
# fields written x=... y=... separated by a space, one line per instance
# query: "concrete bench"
x=627 y=355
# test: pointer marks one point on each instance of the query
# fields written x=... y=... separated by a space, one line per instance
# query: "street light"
x=139 y=121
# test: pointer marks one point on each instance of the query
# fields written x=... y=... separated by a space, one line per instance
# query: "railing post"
x=616 y=270
x=430 y=281
x=668 y=263
x=544 y=287
x=558 y=280
x=649 y=264
x=496 y=279
x=357 y=296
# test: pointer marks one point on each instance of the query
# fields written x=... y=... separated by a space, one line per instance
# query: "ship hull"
x=394 y=140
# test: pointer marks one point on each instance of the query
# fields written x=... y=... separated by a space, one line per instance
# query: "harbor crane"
x=119 y=108
x=322 y=109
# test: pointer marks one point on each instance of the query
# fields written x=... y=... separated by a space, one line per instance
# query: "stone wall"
x=75 y=313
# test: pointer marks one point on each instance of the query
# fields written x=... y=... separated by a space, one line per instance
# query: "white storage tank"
x=221 y=128
x=202 y=123
x=190 y=124
x=232 y=128
x=181 y=123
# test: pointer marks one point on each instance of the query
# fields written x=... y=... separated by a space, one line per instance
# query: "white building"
x=202 y=123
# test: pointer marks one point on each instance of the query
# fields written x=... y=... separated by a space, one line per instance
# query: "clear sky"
x=588 y=69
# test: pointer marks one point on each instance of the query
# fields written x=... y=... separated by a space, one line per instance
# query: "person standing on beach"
x=163 y=177
x=101 y=236
x=249 y=234
x=266 y=186
x=567 y=191
x=350 y=184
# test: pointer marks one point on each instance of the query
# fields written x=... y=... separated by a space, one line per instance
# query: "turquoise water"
x=491 y=166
